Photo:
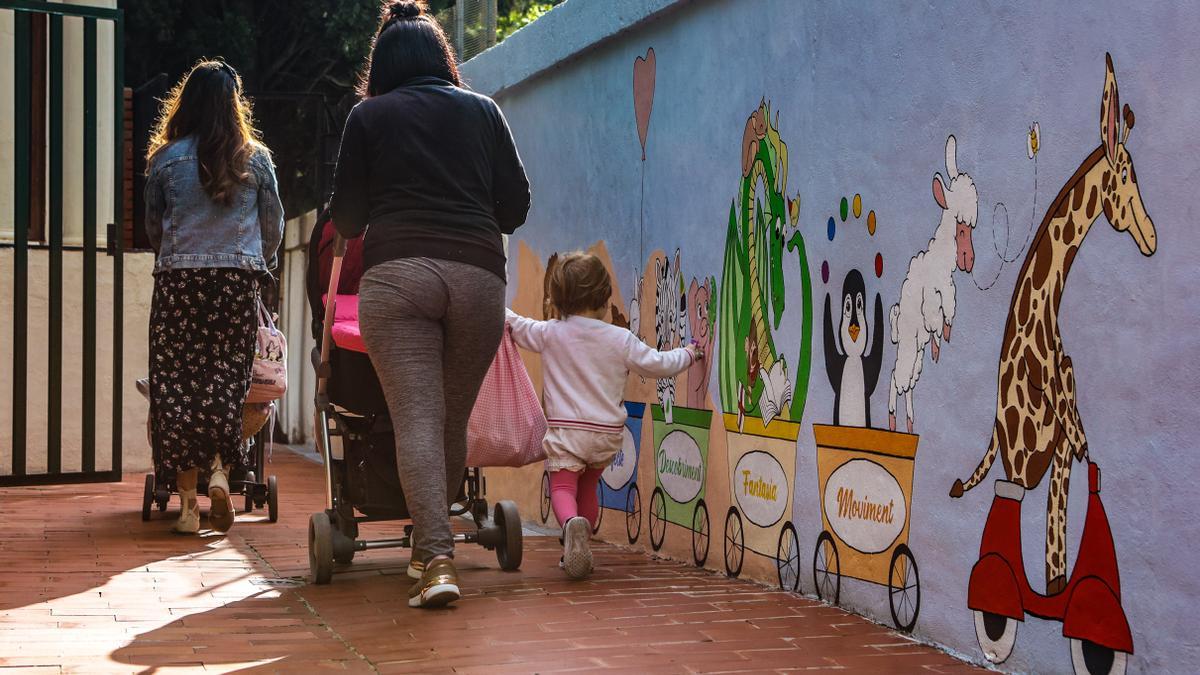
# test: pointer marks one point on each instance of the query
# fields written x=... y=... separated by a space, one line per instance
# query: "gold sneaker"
x=438 y=585
x=415 y=569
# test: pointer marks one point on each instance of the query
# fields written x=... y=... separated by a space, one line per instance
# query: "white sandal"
x=189 y=518
x=220 y=510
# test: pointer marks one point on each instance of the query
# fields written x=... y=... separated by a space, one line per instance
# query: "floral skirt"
x=203 y=324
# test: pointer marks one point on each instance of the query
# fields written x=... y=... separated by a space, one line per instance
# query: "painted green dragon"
x=753 y=375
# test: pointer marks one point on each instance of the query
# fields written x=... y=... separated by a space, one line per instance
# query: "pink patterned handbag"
x=507 y=426
x=268 y=381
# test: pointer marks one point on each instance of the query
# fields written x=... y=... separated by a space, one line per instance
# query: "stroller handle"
x=339 y=252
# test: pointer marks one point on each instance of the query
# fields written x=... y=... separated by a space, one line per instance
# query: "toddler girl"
x=586 y=362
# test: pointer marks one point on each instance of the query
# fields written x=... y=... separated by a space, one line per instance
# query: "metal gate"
x=26 y=62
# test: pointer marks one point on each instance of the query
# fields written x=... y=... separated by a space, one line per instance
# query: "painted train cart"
x=762 y=471
x=680 y=476
x=618 y=488
x=865 y=482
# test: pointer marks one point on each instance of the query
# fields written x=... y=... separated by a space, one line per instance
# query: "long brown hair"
x=209 y=104
x=409 y=43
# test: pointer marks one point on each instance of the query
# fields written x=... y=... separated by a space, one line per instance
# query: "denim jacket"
x=188 y=229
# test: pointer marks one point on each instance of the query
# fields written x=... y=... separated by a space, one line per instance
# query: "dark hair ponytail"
x=408 y=44
x=403 y=9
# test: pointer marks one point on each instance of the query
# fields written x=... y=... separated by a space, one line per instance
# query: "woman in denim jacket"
x=214 y=218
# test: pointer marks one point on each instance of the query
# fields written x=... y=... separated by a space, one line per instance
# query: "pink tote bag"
x=268 y=379
x=507 y=426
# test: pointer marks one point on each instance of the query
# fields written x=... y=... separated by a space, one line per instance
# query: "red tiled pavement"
x=88 y=587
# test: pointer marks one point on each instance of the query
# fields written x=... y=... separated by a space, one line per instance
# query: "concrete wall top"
x=567 y=31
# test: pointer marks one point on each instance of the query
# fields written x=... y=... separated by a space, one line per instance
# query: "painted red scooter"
x=1089 y=607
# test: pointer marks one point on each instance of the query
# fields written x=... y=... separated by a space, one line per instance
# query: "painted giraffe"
x=1037 y=421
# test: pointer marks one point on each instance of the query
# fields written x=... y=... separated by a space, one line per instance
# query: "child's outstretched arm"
x=529 y=334
x=649 y=362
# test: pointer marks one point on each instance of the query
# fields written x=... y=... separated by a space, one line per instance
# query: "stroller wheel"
x=320 y=548
x=273 y=499
x=148 y=496
x=511 y=547
x=250 y=485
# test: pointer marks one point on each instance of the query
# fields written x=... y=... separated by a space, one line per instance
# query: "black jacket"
x=432 y=168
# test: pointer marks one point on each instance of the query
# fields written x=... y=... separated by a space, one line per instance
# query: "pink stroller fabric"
x=346 y=334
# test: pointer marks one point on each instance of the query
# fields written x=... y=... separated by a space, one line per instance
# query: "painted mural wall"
x=927 y=398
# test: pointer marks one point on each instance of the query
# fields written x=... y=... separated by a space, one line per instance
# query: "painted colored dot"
x=857 y=206
x=832 y=227
x=871 y=223
x=845 y=209
x=878 y=265
x=824 y=271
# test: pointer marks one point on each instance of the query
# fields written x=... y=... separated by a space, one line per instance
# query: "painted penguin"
x=853 y=369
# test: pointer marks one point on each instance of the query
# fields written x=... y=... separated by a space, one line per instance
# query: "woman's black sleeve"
x=350 y=207
x=510 y=185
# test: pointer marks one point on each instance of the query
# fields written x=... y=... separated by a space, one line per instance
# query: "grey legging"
x=431 y=328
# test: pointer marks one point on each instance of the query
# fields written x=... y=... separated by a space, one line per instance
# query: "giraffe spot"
x=1006 y=378
x=1122 y=212
x=1012 y=420
x=1070 y=259
x=1039 y=461
x=1040 y=339
x=1021 y=396
x=1054 y=558
x=1091 y=205
x=1018 y=462
x=1108 y=210
x=1029 y=434
x=1001 y=437
x=1057 y=232
x=1023 y=304
x=1076 y=198
x=1069 y=229
x=1041 y=261
x=1061 y=210
x=1034 y=368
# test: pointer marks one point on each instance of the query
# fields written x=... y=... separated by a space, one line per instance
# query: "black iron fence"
x=38 y=48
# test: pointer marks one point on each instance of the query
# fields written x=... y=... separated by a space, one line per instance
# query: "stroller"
x=160 y=485
x=355 y=436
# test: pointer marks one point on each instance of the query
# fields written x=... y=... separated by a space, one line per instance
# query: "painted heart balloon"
x=643 y=94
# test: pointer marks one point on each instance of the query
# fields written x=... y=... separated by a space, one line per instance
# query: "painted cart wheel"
x=787 y=559
x=735 y=542
x=633 y=514
x=700 y=534
x=904 y=589
x=1089 y=658
x=996 y=634
x=599 y=509
x=545 y=497
x=827 y=569
x=658 y=518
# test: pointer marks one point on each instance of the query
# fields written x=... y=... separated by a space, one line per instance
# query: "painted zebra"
x=670 y=322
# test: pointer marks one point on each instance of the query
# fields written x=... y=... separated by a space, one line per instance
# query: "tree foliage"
x=309 y=47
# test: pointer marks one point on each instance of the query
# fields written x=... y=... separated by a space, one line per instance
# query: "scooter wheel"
x=996 y=634
x=1089 y=658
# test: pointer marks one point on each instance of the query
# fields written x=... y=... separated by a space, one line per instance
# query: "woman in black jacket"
x=431 y=168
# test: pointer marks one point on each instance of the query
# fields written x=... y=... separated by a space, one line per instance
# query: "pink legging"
x=573 y=493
